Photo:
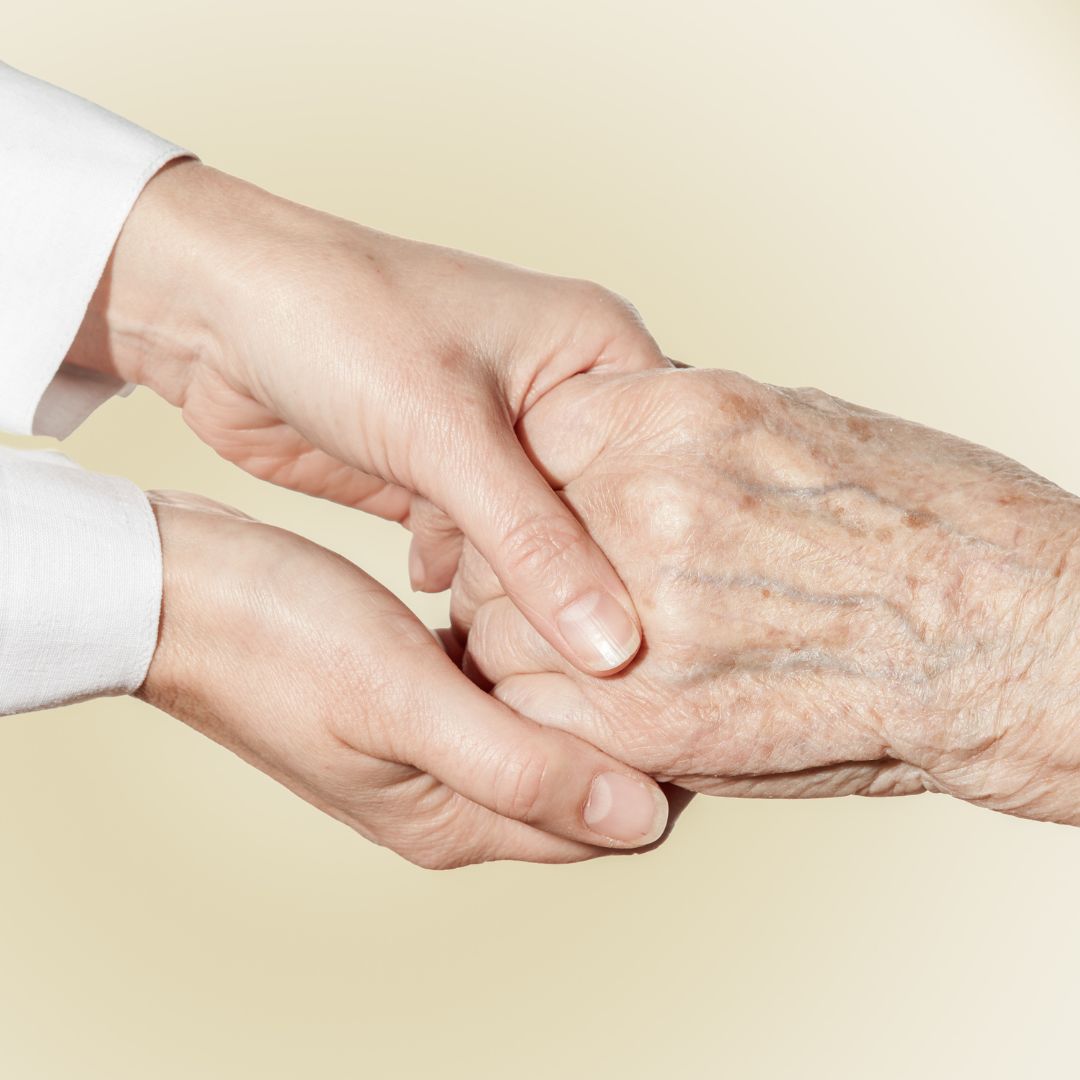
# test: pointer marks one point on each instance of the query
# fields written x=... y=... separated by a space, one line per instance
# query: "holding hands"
x=381 y=373
x=833 y=601
x=311 y=671
x=388 y=376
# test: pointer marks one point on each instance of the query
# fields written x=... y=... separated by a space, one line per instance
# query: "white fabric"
x=80 y=556
x=80 y=582
x=70 y=173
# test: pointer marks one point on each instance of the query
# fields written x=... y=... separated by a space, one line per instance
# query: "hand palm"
x=254 y=437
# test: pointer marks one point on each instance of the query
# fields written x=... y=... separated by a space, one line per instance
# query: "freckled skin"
x=861 y=429
x=918 y=519
x=744 y=409
x=850 y=603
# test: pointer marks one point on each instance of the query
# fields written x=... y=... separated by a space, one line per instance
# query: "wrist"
x=195 y=590
x=1014 y=742
x=1044 y=686
x=157 y=312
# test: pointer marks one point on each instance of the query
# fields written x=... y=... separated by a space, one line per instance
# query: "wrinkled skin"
x=308 y=669
x=834 y=601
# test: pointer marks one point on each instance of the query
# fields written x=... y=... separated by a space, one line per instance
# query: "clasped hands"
x=659 y=576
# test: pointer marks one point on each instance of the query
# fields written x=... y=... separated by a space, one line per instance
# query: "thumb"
x=521 y=770
x=544 y=558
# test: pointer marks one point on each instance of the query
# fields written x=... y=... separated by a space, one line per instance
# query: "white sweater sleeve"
x=80 y=556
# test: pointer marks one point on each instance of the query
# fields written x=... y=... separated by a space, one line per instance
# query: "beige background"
x=877 y=198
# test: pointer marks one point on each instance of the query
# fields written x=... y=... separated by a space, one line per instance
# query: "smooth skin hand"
x=308 y=669
x=381 y=373
x=834 y=601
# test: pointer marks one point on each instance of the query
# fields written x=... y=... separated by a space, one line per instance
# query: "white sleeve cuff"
x=70 y=173
x=80 y=583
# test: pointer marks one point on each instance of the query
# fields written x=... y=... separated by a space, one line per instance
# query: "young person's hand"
x=307 y=668
x=382 y=373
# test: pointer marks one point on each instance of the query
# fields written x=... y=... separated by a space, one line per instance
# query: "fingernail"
x=622 y=809
x=417 y=570
x=599 y=631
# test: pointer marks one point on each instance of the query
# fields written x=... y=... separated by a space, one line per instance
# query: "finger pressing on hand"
x=545 y=559
x=502 y=643
x=525 y=772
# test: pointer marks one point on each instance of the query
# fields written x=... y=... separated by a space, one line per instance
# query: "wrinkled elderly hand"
x=307 y=668
x=834 y=600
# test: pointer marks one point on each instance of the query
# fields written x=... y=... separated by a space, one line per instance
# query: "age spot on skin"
x=743 y=410
x=860 y=429
x=918 y=519
x=749 y=502
x=884 y=535
x=840 y=514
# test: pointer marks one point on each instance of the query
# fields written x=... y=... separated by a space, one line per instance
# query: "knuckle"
x=740 y=400
x=594 y=294
x=815 y=398
x=475 y=582
x=609 y=305
x=693 y=401
x=519 y=785
x=704 y=398
x=427 y=521
x=674 y=505
x=539 y=546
